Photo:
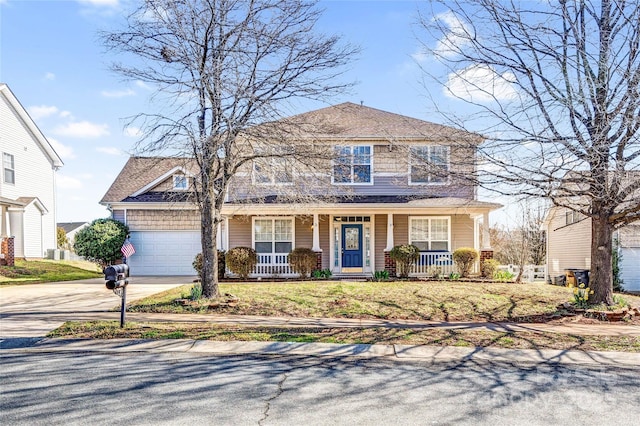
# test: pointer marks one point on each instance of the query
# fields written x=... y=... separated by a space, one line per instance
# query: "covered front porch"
x=353 y=242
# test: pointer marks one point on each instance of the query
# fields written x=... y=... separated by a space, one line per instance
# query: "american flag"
x=127 y=248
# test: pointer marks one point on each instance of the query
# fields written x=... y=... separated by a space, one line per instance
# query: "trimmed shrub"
x=404 y=255
x=464 y=258
x=489 y=268
x=197 y=265
x=303 y=261
x=241 y=261
x=101 y=241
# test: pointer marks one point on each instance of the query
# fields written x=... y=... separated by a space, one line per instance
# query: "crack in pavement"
x=279 y=392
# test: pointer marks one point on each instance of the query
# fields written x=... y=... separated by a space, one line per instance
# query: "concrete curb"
x=431 y=354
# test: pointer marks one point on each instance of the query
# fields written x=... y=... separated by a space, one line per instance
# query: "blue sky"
x=53 y=61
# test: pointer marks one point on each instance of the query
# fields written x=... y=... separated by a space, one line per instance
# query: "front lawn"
x=402 y=336
x=40 y=271
x=414 y=300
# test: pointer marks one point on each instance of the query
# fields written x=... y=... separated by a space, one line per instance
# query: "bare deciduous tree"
x=224 y=71
x=555 y=87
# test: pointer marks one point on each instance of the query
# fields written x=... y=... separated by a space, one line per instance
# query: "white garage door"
x=630 y=268
x=164 y=252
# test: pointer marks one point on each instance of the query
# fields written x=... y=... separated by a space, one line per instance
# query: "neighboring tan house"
x=569 y=246
x=382 y=196
x=27 y=184
x=71 y=229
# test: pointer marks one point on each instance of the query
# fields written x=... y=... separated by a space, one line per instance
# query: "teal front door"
x=352 y=246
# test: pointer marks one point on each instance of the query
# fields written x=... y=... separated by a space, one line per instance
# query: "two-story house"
x=27 y=184
x=382 y=195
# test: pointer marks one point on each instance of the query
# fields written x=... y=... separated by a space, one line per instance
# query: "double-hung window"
x=273 y=170
x=180 y=182
x=430 y=233
x=273 y=235
x=429 y=164
x=352 y=164
x=8 y=166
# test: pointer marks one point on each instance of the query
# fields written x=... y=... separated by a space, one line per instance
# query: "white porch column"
x=390 y=242
x=316 y=233
x=4 y=228
x=486 y=239
x=219 y=237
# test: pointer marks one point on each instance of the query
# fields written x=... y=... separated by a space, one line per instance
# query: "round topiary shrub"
x=197 y=265
x=101 y=241
x=241 y=261
x=303 y=261
x=464 y=259
x=489 y=267
x=405 y=256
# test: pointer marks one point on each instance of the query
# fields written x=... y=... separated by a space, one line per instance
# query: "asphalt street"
x=187 y=389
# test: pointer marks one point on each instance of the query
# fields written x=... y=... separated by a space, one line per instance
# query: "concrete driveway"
x=35 y=309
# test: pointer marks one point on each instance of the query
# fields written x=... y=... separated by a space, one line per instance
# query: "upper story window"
x=352 y=164
x=9 y=168
x=430 y=233
x=573 y=217
x=429 y=164
x=272 y=171
x=180 y=182
x=273 y=235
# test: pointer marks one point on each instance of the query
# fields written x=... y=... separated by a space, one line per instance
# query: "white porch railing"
x=273 y=265
x=433 y=263
x=530 y=274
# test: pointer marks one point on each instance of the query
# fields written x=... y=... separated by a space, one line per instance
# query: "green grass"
x=413 y=300
x=433 y=337
x=41 y=271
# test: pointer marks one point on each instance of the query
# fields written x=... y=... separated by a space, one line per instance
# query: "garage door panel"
x=630 y=268
x=164 y=252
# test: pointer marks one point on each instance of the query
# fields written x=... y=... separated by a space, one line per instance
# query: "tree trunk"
x=209 y=231
x=601 y=274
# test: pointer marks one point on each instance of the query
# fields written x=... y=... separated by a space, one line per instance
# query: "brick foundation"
x=318 y=260
x=485 y=255
x=7 y=248
x=389 y=264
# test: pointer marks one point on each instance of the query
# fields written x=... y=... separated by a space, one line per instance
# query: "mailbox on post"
x=116 y=277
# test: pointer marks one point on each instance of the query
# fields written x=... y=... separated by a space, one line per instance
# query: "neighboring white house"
x=569 y=246
x=27 y=181
x=71 y=229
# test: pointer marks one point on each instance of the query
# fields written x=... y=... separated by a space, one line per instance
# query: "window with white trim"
x=8 y=166
x=573 y=217
x=428 y=164
x=275 y=167
x=272 y=171
x=352 y=164
x=430 y=233
x=273 y=235
x=180 y=182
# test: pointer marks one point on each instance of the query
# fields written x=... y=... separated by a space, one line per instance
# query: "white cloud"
x=67 y=182
x=82 y=129
x=132 y=132
x=117 y=93
x=456 y=39
x=66 y=114
x=141 y=84
x=481 y=83
x=101 y=3
x=41 y=111
x=64 y=151
x=109 y=150
x=49 y=76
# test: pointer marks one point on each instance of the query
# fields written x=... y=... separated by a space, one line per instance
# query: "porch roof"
x=363 y=202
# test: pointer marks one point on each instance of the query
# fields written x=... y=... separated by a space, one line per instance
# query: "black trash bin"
x=582 y=276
